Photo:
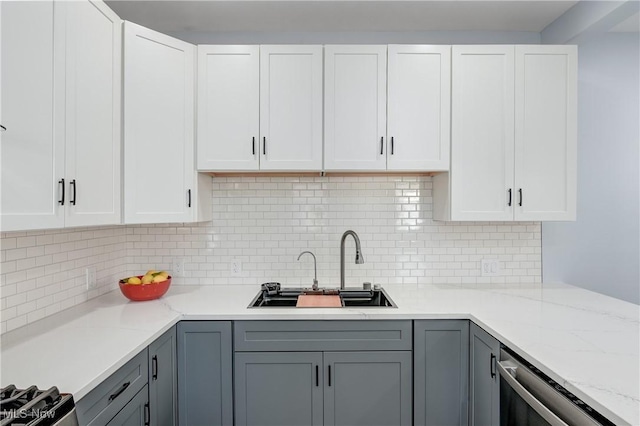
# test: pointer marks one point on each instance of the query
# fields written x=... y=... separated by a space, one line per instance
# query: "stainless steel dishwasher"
x=529 y=397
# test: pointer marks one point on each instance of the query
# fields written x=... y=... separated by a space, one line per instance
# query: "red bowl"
x=140 y=292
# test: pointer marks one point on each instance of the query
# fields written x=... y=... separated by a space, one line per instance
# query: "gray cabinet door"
x=205 y=387
x=278 y=388
x=367 y=388
x=441 y=372
x=485 y=382
x=134 y=413
x=163 y=380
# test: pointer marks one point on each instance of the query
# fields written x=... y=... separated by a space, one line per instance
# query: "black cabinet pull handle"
x=147 y=414
x=117 y=393
x=492 y=366
x=509 y=198
x=4 y=129
x=61 y=201
x=381 y=145
x=264 y=145
x=189 y=198
x=154 y=367
x=75 y=191
x=317 y=376
x=329 y=381
x=520 y=192
x=253 y=145
x=391 y=145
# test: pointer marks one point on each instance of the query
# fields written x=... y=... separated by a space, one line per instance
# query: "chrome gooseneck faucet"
x=359 y=257
x=315 y=270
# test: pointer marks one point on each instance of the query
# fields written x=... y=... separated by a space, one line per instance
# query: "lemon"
x=165 y=274
x=151 y=272
x=134 y=281
x=159 y=278
x=147 y=279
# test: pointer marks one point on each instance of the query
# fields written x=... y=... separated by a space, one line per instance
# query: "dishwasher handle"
x=505 y=368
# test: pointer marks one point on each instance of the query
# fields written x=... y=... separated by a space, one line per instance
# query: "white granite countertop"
x=588 y=342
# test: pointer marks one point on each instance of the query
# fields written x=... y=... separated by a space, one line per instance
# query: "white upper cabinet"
x=513 y=141
x=61 y=85
x=545 y=132
x=228 y=108
x=291 y=108
x=259 y=108
x=92 y=113
x=482 y=132
x=355 y=108
x=160 y=183
x=32 y=160
x=418 y=114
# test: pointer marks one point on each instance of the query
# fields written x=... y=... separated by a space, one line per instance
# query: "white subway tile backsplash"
x=44 y=271
x=265 y=222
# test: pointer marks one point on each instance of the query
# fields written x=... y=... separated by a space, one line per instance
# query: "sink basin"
x=351 y=297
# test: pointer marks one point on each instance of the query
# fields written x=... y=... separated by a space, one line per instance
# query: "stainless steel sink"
x=272 y=296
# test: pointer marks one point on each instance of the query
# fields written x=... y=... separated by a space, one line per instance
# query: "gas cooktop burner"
x=33 y=406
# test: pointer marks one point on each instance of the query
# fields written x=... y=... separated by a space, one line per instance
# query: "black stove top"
x=33 y=406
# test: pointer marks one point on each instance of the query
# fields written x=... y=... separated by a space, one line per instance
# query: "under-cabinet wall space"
x=43 y=272
x=263 y=223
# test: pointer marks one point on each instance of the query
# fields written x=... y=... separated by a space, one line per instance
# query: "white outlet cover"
x=490 y=267
x=178 y=269
x=91 y=281
x=236 y=267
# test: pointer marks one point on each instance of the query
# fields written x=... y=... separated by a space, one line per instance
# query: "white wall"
x=601 y=250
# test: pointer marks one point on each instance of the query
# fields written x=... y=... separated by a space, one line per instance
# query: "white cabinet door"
x=228 y=107
x=419 y=99
x=355 y=107
x=545 y=132
x=159 y=177
x=482 y=133
x=291 y=108
x=32 y=155
x=92 y=113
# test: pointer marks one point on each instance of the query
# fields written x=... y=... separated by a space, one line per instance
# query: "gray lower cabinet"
x=441 y=372
x=278 y=388
x=370 y=388
x=205 y=384
x=135 y=413
x=163 y=381
x=367 y=388
x=485 y=381
x=323 y=373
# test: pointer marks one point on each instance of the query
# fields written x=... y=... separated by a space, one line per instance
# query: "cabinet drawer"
x=106 y=400
x=322 y=335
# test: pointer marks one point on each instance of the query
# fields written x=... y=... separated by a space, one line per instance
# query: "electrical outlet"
x=178 y=269
x=90 y=275
x=236 y=267
x=490 y=267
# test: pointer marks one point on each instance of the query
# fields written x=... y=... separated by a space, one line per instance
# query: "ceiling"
x=330 y=15
x=629 y=25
